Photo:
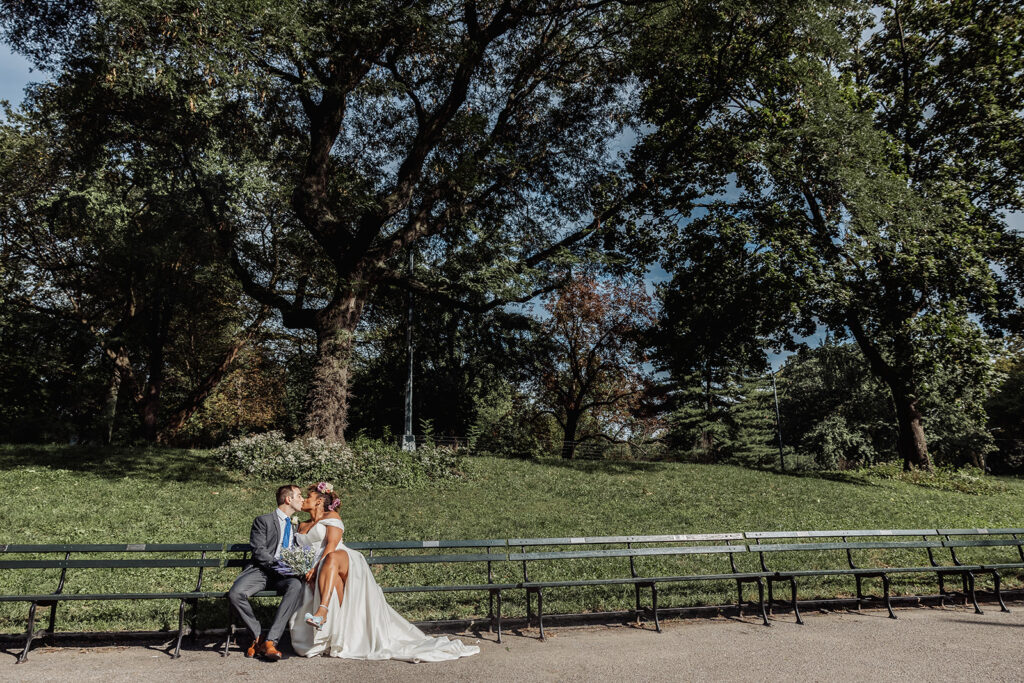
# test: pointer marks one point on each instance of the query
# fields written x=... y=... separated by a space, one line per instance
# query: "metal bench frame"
x=51 y=600
x=940 y=539
x=238 y=555
x=630 y=552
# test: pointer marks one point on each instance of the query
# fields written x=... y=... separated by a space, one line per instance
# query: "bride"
x=354 y=620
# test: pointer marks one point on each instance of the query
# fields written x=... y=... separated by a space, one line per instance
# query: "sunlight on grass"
x=89 y=495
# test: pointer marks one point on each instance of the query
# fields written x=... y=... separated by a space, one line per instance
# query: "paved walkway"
x=932 y=643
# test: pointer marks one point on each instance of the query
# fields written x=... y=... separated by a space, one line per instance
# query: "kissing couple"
x=337 y=608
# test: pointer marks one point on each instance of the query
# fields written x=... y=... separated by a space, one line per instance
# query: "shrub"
x=945 y=478
x=362 y=463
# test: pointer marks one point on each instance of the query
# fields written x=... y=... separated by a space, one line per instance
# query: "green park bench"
x=868 y=553
x=724 y=546
x=44 y=559
x=239 y=553
x=811 y=545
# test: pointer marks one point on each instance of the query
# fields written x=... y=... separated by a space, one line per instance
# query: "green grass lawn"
x=91 y=495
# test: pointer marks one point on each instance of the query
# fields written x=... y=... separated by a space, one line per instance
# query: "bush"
x=945 y=478
x=362 y=463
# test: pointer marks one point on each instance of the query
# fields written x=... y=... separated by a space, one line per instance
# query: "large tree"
x=99 y=220
x=879 y=198
x=470 y=132
x=593 y=376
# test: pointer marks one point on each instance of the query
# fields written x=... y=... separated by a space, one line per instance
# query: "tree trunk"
x=105 y=428
x=572 y=421
x=912 y=443
x=328 y=409
x=149 y=401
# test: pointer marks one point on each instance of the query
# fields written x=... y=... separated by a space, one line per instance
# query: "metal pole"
x=409 y=439
x=778 y=423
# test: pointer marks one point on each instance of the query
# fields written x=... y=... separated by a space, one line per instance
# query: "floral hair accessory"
x=334 y=506
x=325 y=487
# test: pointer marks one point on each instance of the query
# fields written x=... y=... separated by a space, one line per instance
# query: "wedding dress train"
x=364 y=625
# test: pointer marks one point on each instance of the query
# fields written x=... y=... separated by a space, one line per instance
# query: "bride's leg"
x=333 y=575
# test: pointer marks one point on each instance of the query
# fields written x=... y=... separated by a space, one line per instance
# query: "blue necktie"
x=286 y=537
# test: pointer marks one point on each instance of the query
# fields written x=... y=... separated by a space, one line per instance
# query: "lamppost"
x=778 y=423
x=409 y=439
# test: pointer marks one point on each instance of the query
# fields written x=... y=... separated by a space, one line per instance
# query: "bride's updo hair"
x=326 y=492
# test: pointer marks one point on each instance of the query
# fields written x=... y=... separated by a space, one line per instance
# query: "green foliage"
x=838 y=415
x=508 y=425
x=1005 y=410
x=362 y=463
x=731 y=421
x=813 y=130
x=945 y=478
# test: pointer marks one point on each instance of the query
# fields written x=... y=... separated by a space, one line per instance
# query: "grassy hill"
x=84 y=495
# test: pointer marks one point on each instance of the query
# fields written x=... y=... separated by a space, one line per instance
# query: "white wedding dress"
x=364 y=625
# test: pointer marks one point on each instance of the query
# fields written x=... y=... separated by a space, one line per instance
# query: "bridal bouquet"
x=298 y=560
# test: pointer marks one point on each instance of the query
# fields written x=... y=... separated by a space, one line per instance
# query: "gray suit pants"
x=251 y=581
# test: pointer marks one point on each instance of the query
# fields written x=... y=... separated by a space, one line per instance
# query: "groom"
x=270 y=534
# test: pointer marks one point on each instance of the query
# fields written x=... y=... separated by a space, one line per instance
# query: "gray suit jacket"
x=265 y=538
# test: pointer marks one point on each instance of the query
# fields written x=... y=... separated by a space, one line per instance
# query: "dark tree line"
x=209 y=210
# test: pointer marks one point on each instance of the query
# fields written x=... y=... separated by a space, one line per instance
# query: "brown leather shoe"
x=270 y=652
x=255 y=648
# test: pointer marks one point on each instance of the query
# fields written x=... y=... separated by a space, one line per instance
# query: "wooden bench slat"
x=108 y=564
x=786 y=547
x=419 y=559
x=836 y=533
x=977 y=532
x=109 y=547
x=431 y=589
x=413 y=545
x=588 y=540
x=627 y=552
x=64 y=597
x=965 y=543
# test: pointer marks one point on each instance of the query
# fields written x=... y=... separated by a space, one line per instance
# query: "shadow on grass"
x=146 y=462
x=841 y=477
x=604 y=466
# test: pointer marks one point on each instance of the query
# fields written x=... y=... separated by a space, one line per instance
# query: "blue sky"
x=14 y=75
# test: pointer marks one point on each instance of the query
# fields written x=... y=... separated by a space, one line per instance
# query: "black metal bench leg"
x=967 y=587
x=860 y=592
x=540 y=612
x=942 y=590
x=997 y=580
x=499 y=616
x=490 y=609
x=231 y=626
x=771 y=595
x=654 y=604
x=636 y=588
x=529 y=607
x=796 y=609
x=30 y=633
x=739 y=598
x=181 y=630
x=885 y=589
x=760 y=599
x=53 y=618
x=974 y=597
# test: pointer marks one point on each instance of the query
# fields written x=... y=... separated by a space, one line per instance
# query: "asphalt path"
x=923 y=643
